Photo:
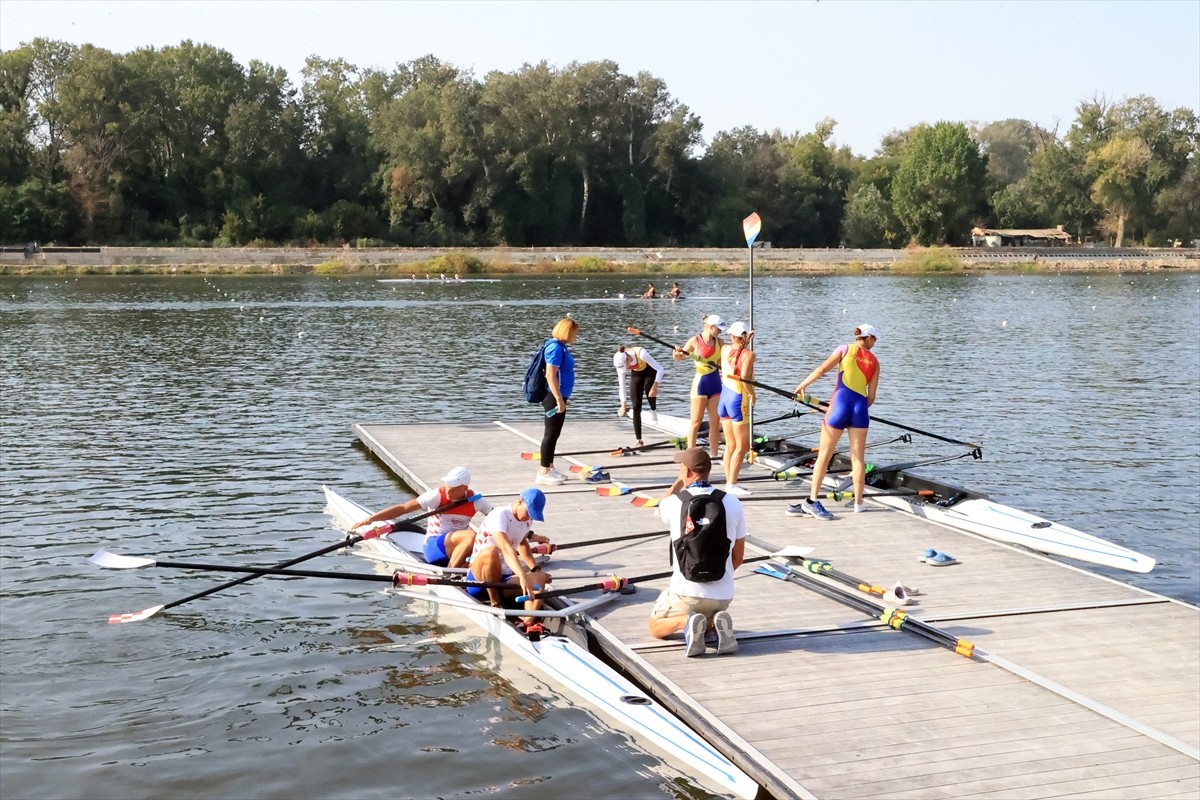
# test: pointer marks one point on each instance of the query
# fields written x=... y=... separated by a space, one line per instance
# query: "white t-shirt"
x=449 y=523
x=502 y=522
x=735 y=524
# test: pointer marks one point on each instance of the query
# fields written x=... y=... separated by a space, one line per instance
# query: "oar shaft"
x=395 y=579
x=614 y=583
x=818 y=405
x=347 y=542
x=655 y=339
x=607 y=540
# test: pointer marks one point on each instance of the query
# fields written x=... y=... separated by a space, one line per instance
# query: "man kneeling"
x=708 y=533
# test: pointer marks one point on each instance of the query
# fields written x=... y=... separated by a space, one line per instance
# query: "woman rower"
x=737 y=398
x=854 y=394
x=650 y=293
x=644 y=376
x=675 y=293
x=705 y=350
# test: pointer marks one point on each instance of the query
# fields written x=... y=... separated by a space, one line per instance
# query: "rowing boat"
x=558 y=658
x=959 y=508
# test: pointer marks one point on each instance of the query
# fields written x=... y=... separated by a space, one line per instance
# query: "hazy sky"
x=872 y=66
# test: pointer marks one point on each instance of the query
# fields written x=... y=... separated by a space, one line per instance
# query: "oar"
x=892 y=617
x=542 y=549
x=378 y=529
x=613 y=583
x=812 y=452
x=586 y=471
x=399 y=578
x=839 y=495
x=825 y=568
x=619 y=491
x=813 y=402
x=637 y=332
x=679 y=442
x=872 y=470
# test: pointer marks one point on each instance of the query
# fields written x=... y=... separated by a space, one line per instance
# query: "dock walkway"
x=1081 y=686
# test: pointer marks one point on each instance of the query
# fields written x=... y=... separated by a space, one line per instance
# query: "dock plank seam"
x=1033 y=677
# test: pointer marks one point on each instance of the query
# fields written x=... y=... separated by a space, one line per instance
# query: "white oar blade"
x=108 y=560
x=793 y=551
x=136 y=616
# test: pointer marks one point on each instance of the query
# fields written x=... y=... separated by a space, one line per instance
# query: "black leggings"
x=640 y=383
x=552 y=431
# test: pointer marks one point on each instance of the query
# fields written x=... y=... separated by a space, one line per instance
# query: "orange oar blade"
x=644 y=502
x=531 y=456
x=610 y=491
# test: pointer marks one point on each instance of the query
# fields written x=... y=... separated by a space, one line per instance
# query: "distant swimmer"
x=676 y=293
x=650 y=293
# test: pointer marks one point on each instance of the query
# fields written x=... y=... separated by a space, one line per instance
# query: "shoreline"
x=431 y=263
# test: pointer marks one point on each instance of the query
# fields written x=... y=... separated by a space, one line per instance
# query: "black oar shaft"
x=664 y=343
x=818 y=405
x=608 y=540
x=347 y=542
x=395 y=579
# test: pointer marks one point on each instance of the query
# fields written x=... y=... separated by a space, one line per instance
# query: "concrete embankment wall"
x=394 y=260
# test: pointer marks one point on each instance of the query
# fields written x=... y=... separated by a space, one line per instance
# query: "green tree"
x=869 y=221
x=1120 y=166
x=938 y=190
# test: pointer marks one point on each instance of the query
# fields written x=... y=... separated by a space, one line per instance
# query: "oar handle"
x=399 y=578
x=614 y=583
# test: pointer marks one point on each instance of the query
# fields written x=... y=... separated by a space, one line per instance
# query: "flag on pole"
x=751 y=225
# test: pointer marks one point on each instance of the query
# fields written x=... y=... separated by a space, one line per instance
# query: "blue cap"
x=535 y=501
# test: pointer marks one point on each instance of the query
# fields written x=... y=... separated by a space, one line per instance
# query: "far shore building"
x=1020 y=237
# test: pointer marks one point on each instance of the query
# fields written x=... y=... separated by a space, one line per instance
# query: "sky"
x=872 y=66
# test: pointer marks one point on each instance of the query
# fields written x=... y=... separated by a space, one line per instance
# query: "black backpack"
x=535 y=386
x=703 y=549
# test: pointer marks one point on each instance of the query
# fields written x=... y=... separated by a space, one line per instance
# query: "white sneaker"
x=736 y=490
x=652 y=417
x=558 y=474
x=726 y=642
x=549 y=479
x=858 y=508
x=693 y=635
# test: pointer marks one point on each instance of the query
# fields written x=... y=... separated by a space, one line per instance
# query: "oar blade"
x=135 y=616
x=644 y=502
x=577 y=468
x=531 y=456
x=108 y=560
x=611 y=491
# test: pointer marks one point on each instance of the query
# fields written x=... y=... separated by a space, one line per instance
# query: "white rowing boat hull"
x=979 y=515
x=565 y=664
x=1013 y=526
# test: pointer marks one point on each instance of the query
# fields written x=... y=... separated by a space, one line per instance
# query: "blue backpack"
x=535 y=386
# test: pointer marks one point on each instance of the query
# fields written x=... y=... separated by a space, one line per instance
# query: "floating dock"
x=1080 y=686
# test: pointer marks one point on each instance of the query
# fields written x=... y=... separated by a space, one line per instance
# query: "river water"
x=196 y=418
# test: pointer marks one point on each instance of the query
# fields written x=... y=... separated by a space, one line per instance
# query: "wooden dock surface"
x=1082 y=686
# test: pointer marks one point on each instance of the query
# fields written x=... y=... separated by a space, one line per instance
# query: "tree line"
x=184 y=146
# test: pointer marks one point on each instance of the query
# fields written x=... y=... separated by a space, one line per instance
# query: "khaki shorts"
x=670 y=604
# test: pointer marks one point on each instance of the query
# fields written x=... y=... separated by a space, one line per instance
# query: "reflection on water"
x=198 y=417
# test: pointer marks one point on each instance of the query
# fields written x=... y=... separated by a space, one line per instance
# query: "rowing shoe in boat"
x=561 y=661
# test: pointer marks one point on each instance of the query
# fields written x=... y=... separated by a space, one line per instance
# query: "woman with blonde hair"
x=560 y=380
x=737 y=398
x=705 y=350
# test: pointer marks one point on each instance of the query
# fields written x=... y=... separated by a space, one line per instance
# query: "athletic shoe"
x=599 y=476
x=652 y=417
x=693 y=635
x=736 y=491
x=858 y=508
x=726 y=642
x=549 y=479
x=796 y=510
x=814 y=509
x=557 y=474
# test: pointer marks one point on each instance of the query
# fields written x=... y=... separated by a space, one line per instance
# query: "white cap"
x=619 y=360
x=866 y=330
x=459 y=476
x=716 y=321
x=737 y=329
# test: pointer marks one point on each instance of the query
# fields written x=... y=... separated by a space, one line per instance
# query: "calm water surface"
x=196 y=418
